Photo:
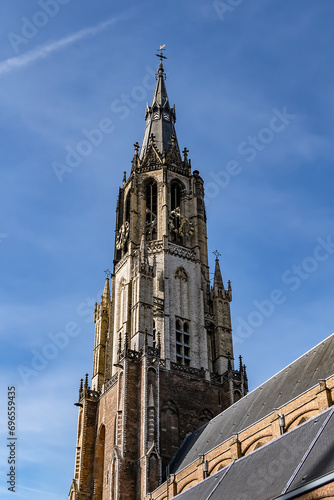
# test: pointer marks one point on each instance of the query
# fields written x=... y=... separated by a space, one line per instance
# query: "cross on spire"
x=107 y=273
x=161 y=55
x=217 y=254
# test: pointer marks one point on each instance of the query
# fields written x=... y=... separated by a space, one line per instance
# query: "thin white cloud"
x=45 y=50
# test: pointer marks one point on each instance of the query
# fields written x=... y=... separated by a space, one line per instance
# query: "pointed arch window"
x=181 y=293
x=175 y=206
x=151 y=210
x=175 y=195
x=182 y=338
x=169 y=429
x=127 y=208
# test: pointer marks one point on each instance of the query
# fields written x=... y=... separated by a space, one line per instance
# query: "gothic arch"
x=219 y=465
x=116 y=456
x=256 y=443
x=300 y=418
x=169 y=428
x=181 y=292
x=188 y=485
x=205 y=415
x=170 y=405
x=177 y=190
x=181 y=274
x=178 y=181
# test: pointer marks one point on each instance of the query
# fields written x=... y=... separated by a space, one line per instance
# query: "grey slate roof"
x=296 y=378
x=163 y=126
x=283 y=465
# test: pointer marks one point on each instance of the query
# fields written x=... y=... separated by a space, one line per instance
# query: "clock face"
x=122 y=235
x=180 y=224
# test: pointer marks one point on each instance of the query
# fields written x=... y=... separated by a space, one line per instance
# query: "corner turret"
x=101 y=320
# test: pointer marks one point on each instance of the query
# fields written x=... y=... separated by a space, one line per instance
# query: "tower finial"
x=107 y=273
x=161 y=55
x=217 y=254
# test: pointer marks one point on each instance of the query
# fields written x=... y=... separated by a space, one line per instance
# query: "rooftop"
x=298 y=377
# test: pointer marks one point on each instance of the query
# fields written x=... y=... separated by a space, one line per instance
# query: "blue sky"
x=252 y=84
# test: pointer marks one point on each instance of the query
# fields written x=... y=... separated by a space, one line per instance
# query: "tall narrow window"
x=175 y=219
x=151 y=211
x=182 y=339
x=127 y=208
x=175 y=195
x=154 y=335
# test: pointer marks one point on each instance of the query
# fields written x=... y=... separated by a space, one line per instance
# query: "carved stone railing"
x=151 y=351
x=137 y=355
x=88 y=393
x=234 y=374
x=155 y=246
x=187 y=369
x=215 y=378
x=182 y=252
x=110 y=383
x=130 y=354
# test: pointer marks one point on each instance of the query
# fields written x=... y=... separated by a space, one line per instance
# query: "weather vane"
x=108 y=273
x=161 y=55
x=217 y=254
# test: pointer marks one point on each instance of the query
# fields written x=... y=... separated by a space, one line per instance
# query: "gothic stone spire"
x=218 y=280
x=159 y=117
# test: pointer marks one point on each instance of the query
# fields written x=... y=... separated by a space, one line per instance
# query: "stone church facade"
x=167 y=414
x=163 y=354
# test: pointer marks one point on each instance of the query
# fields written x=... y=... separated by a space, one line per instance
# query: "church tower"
x=163 y=354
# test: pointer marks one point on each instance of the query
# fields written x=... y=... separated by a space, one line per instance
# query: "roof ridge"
x=247 y=412
x=273 y=376
x=292 y=363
